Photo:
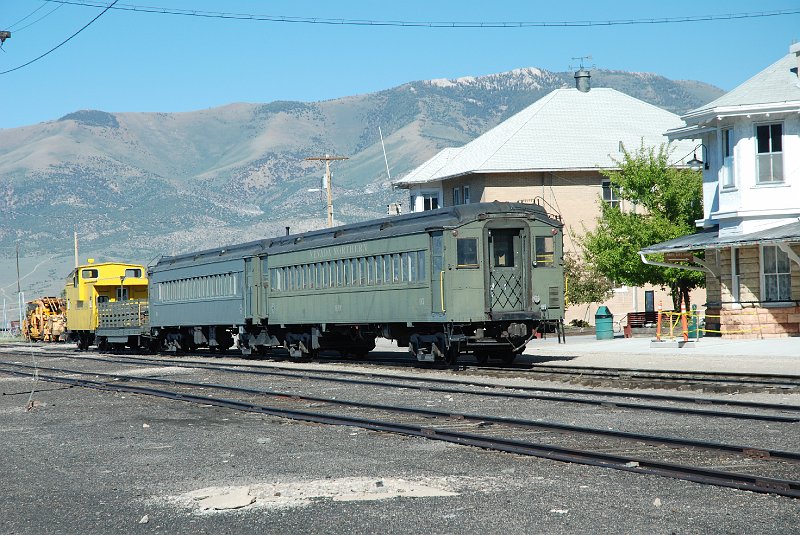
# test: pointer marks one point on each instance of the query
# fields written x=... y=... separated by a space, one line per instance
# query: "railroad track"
x=746 y=468
x=604 y=398
x=631 y=378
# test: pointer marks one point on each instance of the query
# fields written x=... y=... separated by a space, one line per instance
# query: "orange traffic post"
x=658 y=323
x=684 y=326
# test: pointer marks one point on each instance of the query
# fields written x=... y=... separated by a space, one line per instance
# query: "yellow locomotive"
x=91 y=287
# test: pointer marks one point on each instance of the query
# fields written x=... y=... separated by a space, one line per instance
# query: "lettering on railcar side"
x=342 y=250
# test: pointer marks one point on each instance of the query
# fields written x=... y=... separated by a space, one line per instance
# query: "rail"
x=123 y=314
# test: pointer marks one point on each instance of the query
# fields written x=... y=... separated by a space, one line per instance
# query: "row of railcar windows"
x=375 y=270
x=210 y=286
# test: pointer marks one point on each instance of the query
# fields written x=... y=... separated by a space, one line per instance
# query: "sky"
x=135 y=61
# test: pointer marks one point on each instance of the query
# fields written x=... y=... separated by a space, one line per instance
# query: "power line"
x=64 y=41
x=11 y=27
x=430 y=24
x=40 y=18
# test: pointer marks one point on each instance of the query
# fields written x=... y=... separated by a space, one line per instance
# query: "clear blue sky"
x=128 y=61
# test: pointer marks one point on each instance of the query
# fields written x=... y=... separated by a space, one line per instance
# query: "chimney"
x=582 y=80
x=795 y=49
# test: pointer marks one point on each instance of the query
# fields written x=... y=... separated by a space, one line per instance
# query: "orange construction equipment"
x=44 y=320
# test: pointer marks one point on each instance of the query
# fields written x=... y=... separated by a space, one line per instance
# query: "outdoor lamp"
x=695 y=164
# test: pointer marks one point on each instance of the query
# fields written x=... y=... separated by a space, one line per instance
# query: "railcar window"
x=404 y=269
x=396 y=267
x=89 y=273
x=467 y=252
x=135 y=273
x=545 y=253
x=421 y=265
x=362 y=274
x=503 y=249
x=370 y=276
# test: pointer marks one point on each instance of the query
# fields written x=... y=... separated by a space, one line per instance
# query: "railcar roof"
x=391 y=226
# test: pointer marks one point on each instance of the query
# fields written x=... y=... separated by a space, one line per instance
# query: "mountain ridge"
x=138 y=183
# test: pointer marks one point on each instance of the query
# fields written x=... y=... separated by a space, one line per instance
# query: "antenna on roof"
x=385 y=159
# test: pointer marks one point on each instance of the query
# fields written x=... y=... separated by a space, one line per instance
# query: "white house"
x=750 y=155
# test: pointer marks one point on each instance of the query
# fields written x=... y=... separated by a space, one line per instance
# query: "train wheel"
x=482 y=357
x=451 y=356
x=507 y=357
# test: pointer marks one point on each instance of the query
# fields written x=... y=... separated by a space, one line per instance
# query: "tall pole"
x=75 y=237
x=328 y=185
x=19 y=291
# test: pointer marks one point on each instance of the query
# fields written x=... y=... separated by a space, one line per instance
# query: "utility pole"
x=328 y=186
x=75 y=237
x=19 y=291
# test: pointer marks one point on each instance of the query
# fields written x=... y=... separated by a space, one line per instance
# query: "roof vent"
x=582 y=80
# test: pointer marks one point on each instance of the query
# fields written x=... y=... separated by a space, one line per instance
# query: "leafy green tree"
x=585 y=284
x=661 y=203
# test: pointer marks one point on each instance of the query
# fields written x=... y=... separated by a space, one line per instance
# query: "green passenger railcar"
x=479 y=278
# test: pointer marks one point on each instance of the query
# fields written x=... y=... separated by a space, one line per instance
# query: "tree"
x=585 y=284
x=662 y=203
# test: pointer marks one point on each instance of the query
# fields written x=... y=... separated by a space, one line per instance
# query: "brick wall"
x=758 y=322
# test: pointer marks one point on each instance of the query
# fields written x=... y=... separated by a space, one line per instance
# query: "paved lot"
x=86 y=461
x=777 y=355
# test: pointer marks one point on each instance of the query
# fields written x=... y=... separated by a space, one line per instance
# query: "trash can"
x=604 y=324
x=695 y=330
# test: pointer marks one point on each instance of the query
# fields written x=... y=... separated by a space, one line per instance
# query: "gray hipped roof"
x=775 y=89
x=566 y=130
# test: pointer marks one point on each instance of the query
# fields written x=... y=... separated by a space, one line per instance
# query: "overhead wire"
x=11 y=26
x=429 y=24
x=40 y=18
x=65 y=41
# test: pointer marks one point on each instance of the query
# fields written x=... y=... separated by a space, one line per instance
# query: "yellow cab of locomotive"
x=92 y=284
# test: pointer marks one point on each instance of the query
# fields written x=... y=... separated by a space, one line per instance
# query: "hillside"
x=136 y=185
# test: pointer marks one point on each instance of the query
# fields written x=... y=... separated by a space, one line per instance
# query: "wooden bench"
x=639 y=320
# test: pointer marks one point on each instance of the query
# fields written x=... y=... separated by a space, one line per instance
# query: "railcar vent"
x=554 y=297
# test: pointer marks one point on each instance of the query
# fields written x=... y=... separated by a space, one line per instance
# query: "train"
x=483 y=279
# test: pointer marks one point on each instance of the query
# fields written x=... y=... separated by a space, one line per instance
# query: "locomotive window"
x=467 y=251
x=89 y=273
x=102 y=299
x=134 y=273
x=503 y=249
x=545 y=254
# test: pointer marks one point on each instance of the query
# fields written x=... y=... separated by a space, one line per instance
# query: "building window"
x=736 y=275
x=610 y=194
x=430 y=201
x=466 y=195
x=456 y=196
x=769 y=148
x=776 y=270
x=728 y=180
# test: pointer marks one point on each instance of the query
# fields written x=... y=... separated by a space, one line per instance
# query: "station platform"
x=774 y=355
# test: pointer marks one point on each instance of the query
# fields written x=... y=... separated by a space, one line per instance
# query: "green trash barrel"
x=695 y=330
x=604 y=324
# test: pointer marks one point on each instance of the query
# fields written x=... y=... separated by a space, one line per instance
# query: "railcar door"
x=507 y=268
x=438 y=300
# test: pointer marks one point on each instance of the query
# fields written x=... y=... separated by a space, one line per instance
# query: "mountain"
x=135 y=185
